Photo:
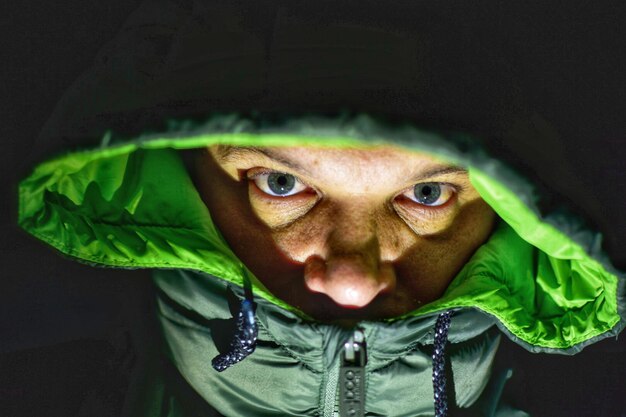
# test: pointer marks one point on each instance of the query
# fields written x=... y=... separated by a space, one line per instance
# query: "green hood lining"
x=132 y=205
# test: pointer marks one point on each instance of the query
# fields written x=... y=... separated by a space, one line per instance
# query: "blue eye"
x=278 y=184
x=427 y=193
x=430 y=193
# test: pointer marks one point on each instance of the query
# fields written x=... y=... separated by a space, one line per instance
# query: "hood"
x=131 y=204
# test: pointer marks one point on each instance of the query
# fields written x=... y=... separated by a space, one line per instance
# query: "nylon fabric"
x=249 y=388
x=501 y=283
x=470 y=376
x=291 y=374
x=134 y=206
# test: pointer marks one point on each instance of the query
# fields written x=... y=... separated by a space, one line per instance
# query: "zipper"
x=352 y=376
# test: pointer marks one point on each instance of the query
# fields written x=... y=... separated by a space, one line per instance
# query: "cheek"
x=247 y=236
x=429 y=266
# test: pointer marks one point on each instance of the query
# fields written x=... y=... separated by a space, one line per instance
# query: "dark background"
x=71 y=335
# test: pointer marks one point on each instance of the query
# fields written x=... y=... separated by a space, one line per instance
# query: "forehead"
x=382 y=159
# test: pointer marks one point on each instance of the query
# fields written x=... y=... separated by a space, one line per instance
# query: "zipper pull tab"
x=352 y=376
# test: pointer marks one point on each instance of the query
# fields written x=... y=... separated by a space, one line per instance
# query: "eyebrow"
x=229 y=153
x=439 y=170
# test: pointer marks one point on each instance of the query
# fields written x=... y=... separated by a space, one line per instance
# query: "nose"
x=348 y=280
x=350 y=270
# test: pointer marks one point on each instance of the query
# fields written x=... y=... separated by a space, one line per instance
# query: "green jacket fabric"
x=539 y=279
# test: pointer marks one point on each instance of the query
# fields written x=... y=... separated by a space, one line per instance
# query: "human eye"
x=430 y=194
x=278 y=184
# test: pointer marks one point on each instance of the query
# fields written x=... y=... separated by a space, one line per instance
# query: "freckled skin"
x=351 y=247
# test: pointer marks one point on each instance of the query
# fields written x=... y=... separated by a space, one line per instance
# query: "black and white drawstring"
x=439 y=364
x=244 y=340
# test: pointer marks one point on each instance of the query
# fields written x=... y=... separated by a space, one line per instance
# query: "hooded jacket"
x=133 y=205
x=541 y=279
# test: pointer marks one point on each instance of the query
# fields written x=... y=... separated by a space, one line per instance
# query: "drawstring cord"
x=439 y=374
x=244 y=340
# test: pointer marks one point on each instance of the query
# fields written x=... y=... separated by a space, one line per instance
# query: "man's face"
x=345 y=234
